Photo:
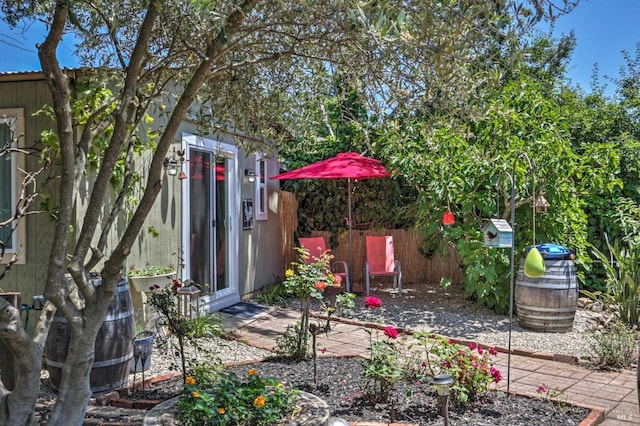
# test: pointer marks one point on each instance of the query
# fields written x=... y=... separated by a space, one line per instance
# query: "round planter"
x=113 y=349
x=314 y=411
x=144 y=283
x=548 y=303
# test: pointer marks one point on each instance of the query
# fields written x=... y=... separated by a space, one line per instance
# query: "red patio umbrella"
x=346 y=165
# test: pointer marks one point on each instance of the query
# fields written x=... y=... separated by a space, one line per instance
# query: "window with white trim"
x=11 y=129
x=261 y=206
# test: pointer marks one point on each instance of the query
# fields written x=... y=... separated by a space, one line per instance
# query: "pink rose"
x=391 y=332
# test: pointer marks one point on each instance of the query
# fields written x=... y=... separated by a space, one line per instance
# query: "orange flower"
x=337 y=279
x=195 y=394
x=221 y=410
x=321 y=285
x=252 y=372
x=189 y=381
x=260 y=401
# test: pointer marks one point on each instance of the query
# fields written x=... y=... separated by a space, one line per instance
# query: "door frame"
x=217 y=299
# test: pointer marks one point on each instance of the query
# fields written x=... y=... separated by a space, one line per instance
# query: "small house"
x=216 y=219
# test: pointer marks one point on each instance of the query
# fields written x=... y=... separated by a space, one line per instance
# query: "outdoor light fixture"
x=441 y=383
x=448 y=218
x=171 y=165
x=250 y=174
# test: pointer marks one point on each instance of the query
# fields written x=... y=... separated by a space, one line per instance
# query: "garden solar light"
x=442 y=382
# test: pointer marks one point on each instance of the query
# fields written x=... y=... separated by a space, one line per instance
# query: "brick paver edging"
x=568 y=359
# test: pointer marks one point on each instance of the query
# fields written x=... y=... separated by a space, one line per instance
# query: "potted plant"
x=151 y=276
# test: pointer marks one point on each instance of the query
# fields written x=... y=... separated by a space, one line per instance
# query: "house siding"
x=258 y=248
x=28 y=279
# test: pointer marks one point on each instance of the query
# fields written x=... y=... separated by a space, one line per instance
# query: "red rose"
x=372 y=302
x=391 y=332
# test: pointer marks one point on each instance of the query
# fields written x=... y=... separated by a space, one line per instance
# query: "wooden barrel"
x=113 y=349
x=547 y=303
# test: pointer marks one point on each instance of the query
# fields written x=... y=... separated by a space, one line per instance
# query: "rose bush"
x=385 y=365
x=184 y=329
x=471 y=367
x=308 y=278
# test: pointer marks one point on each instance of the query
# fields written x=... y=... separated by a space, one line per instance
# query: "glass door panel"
x=200 y=208
x=220 y=225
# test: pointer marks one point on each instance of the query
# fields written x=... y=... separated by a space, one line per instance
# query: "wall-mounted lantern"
x=172 y=166
x=250 y=175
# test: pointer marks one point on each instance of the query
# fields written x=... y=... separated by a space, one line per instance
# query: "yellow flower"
x=189 y=381
x=259 y=401
x=195 y=394
x=289 y=273
x=252 y=372
x=280 y=385
x=221 y=410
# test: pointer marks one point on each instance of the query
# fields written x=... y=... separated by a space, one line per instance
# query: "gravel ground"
x=446 y=312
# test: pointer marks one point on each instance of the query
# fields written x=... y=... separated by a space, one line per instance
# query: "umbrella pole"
x=350 y=227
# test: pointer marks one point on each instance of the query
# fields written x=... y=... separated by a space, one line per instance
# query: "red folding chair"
x=316 y=247
x=381 y=261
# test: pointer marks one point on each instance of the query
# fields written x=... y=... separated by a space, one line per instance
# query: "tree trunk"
x=16 y=406
x=74 y=391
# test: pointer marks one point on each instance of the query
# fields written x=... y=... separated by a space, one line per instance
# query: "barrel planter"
x=547 y=303
x=113 y=349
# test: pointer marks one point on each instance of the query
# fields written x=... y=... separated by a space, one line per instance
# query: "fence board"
x=416 y=269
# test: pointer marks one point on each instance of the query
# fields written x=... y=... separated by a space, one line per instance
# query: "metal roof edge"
x=17 y=76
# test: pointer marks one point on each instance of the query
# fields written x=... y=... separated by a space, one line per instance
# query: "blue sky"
x=603 y=29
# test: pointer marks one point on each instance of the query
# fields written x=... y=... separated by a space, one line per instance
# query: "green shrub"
x=254 y=400
x=275 y=294
x=623 y=281
x=614 y=346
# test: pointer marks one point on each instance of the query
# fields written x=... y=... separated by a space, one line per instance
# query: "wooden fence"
x=416 y=268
